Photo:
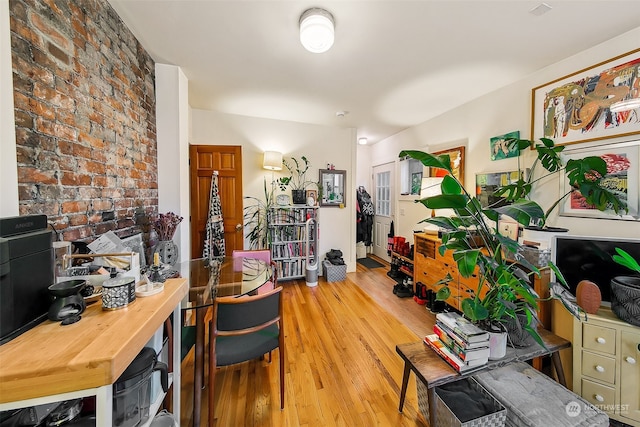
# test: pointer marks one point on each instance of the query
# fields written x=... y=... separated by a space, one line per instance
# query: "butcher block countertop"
x=51 y=359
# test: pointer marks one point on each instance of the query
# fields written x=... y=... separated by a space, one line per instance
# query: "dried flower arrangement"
x=166 y=225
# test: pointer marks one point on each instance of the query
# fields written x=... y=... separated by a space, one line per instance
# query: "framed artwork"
x=488 y=183
x=416 y=181
x=333 y=187
x=585 y=106
x=456 y=157
x=623 y=176
x=499 y=149
x=312 y=194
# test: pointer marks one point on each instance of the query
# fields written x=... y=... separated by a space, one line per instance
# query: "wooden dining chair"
x=245 y=328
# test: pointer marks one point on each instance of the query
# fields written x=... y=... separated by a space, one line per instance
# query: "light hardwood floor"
x=341 y=365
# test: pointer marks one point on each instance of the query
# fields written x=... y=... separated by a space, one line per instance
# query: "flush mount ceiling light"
x=362 y=141
x=316 y=30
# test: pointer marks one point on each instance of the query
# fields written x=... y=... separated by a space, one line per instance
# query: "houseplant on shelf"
x=504 y=288
x=297 y=178
x=625 y=290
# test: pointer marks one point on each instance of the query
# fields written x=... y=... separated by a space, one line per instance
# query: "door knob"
x=630 y=360
x=238 y=227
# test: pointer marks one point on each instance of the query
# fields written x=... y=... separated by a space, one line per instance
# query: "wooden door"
x=227 y=160
x=383 y=197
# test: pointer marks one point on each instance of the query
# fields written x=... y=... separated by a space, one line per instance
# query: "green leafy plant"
x=504 y=287
x=624 y=259
x=297 y=174
x=255 y=218
x=585 y=176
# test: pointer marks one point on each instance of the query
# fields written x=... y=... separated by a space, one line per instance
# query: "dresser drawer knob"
x=630 y=360
x=601 y=340
x=599 y=368
x=598 y=398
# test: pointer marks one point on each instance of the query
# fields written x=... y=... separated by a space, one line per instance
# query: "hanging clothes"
x=364 y=216
x=214 y=240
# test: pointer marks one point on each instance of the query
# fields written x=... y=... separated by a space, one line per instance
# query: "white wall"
x=320 y=144
x=172 y=127
x=505 y=110
x=8 y=164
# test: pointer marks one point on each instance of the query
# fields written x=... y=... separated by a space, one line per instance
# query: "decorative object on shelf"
x=588 y=296
x=297 y=178
x=625 y=290
x=312 y=197
x=585 y=174
x=497 y=344
x=165 y=226
x=504 y=288
x=283 y=199
x=572 y=109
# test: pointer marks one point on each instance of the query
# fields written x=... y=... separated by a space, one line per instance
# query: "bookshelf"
x=289 y=237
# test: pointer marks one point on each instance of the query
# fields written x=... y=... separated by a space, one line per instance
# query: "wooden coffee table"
x=433 y=371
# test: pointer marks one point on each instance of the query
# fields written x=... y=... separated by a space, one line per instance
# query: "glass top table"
x=225 y=276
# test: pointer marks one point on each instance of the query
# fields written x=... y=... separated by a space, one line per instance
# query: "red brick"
x=76 y=179
x=75 y=220
x=49 y=30
x=75 y=206
x=33 y=175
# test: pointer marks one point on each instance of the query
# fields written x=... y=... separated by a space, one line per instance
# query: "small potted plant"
x=297 y=179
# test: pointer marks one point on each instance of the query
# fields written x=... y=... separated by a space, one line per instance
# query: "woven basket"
x=625 y=298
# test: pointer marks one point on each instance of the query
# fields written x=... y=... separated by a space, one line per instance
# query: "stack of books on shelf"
x=459 y=342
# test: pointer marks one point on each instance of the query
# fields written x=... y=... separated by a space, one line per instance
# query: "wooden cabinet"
x=606 y=369
x=429 y=267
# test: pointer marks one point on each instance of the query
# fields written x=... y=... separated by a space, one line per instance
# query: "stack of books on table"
x=459 y=342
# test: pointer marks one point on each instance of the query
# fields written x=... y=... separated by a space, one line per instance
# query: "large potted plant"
x=297 y=178
x=504 y=288
x=256 y=218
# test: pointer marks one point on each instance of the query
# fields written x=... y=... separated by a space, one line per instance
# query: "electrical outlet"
x=509 y=229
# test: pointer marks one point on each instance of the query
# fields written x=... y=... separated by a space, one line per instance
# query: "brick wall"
x=85 y=118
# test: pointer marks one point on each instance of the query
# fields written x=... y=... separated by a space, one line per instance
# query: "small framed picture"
x=312 y=197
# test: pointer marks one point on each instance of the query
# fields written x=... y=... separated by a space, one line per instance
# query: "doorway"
x=203 y=161
x=383 y=197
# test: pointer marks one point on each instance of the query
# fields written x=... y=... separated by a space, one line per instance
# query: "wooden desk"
x=433 y=371
x=51 y=363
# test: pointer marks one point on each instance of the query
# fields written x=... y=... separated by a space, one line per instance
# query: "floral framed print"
x=596 y=103
x=456 y=157
x=623 y=178
x=499 y=148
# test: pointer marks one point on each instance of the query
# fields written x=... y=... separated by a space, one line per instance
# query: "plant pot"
x=625 y=298
x=497 y=344
x=519 y=337
x=299 y=197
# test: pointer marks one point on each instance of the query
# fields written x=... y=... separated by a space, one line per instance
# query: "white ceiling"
x=394 y=64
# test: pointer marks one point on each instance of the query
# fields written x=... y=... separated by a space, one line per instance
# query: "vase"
x=167 y=251
x=299 y=197
x=497 y=345
x=625 y=298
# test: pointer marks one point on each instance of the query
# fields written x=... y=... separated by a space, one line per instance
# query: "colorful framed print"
x=488 y=183
x=456 y=157
x=416 y=181
x=622 y=177
x=596 y=103
x=312 y=195
x=499 y=148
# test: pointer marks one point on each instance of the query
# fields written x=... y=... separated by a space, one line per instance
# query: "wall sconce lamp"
x=362 y=141
x=316 y=30
x=272 y=160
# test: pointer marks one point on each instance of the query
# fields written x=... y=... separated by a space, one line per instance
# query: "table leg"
x=198 y=366
x=405 y=382
x=557 y=365
x=431 y=398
